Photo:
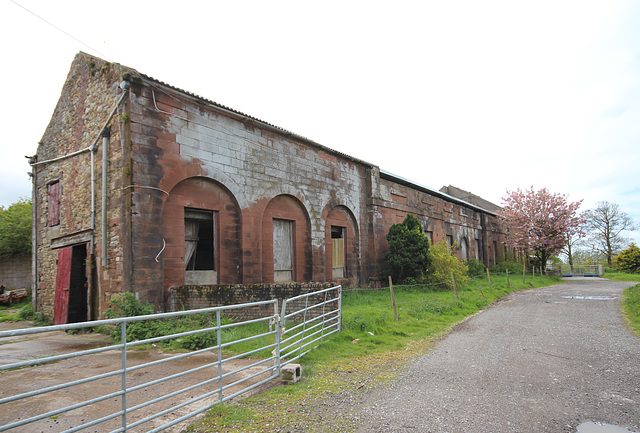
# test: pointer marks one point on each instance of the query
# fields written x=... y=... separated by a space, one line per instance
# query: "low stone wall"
x=15 y=272
x=194 y=297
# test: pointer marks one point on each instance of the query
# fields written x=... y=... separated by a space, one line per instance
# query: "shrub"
x=408 y=255
x=444 y=263
x=475 y=268
x=628 y=260
x=503 y=265
x=127 y=305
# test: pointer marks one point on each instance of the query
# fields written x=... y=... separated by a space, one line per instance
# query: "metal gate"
x=143 y=394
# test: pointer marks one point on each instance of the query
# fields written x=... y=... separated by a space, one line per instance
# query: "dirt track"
x=541 y=361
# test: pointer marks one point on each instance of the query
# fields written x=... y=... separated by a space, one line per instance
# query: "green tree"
x=408 y=255
x=15 y=228
x=628 y=260
x=444 y=263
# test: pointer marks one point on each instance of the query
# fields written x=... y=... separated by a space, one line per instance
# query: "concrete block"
x=291 y=373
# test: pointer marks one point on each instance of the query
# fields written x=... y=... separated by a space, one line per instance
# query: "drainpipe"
x=92 y=244
x=106 y=136
x=34 y=234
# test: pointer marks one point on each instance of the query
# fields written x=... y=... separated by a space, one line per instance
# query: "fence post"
x=534 y=274
x=489 y=278
x=455 y=289
x=219 y=342
x=524 y=269
x=508 y=283
x=278 y=326
x=393 y=299
x=123 y=340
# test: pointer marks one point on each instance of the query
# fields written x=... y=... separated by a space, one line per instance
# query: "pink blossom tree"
x=538 y=222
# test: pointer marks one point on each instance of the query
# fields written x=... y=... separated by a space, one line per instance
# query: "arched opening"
x=286 y=241
x=202 y=234
x=341 y=246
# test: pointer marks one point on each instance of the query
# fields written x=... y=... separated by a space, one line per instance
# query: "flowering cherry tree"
x=538 y=222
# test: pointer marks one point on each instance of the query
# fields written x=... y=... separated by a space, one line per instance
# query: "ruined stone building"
x=140 y=186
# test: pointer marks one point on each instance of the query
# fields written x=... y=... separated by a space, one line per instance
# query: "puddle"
x=590 y=297
x=596 y=427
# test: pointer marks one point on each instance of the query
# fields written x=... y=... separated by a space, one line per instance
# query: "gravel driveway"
x=544 y=360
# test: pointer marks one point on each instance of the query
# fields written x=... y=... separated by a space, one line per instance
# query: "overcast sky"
x=488 y=96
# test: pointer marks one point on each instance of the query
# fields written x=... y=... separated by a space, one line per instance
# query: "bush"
x=408 y=255
x=503 y=265
x=628 y=260
x=127 y=305
x=475 y=268
x=444 y=263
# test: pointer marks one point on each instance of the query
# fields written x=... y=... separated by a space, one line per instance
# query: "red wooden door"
x=63 y=284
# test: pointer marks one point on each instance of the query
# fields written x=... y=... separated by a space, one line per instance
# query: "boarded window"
x=200 y=252
x=464 y=249
x=282 y=250
x=53 y=210
x=429 y=235
x=337 y=252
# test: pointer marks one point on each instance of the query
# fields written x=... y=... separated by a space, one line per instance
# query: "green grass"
x=15 y=312
x=369 y=349
x=621 y=276
x=631 y=307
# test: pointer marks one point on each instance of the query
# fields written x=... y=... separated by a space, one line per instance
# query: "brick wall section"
x=441 y=217
x=194 y=297
x=265 y=172
x=15 y=272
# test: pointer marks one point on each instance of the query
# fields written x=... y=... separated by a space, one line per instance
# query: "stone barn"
x=140 y=186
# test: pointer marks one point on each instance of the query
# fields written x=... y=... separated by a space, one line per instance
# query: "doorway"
x=71 y=302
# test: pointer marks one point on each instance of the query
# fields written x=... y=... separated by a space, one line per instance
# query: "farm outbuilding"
x=140 y=186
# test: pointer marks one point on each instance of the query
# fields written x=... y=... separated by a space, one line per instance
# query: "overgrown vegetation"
x=127 y=305
x=445 y=266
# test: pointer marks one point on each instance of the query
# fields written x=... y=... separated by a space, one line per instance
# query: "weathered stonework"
x=171 y=153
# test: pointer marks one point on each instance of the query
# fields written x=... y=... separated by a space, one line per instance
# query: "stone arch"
x=340 y=223
x=209 y=198
x=173 y=177
x=286 y=212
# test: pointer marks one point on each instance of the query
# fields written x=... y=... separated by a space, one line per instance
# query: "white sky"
x=484 y=95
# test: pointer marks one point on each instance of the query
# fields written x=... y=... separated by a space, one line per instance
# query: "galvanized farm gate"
x=154 y=395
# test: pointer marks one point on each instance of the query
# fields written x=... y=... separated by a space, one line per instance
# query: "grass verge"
x=631 y=307
x=371 y=348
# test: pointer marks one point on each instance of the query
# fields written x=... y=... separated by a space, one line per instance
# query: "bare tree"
x=605 y=224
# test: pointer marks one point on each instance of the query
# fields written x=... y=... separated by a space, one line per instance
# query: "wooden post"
x=393 y=299
x=455 y=289
x=534 y=274
x=524 y=269
x=489 y=278
x=508 y=283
